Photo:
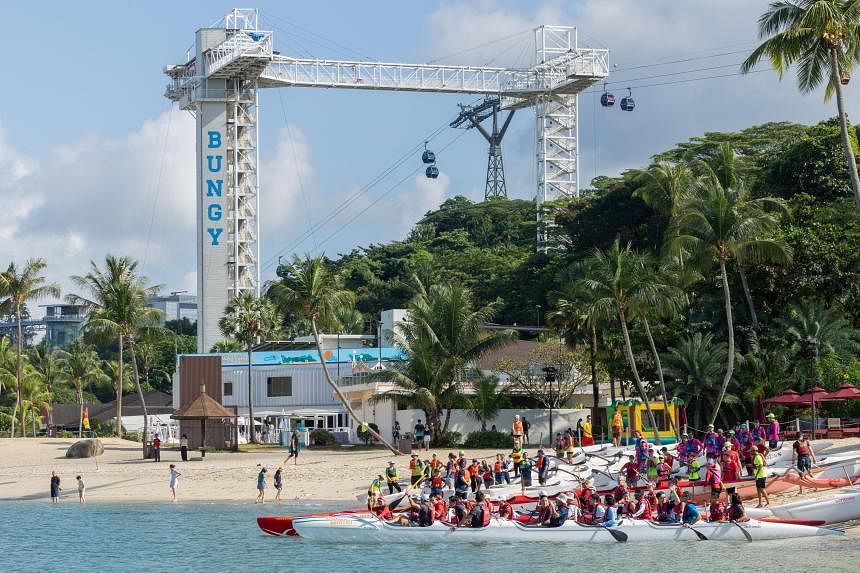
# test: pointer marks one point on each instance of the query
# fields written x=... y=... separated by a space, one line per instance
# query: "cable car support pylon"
x=474 y=115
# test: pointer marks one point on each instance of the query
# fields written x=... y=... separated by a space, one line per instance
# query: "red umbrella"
x=788 y=397
x=805 y=399
x=759 y=409
x=844 y=392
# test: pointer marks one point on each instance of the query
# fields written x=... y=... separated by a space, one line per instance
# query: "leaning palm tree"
x=717 y=225
x=17 y=288
x=617 y=283
x=116 y=298
x=308 y=289
x=249 y=319
x=48 y=363
x=487 y=400
x=821 y=37
x=82 y=367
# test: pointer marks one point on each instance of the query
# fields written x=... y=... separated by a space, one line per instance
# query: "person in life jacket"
x=711 y=441
x=391 y=478
x=610 y=517
x=772 y=433
x=760 y=474
x=516 y=458
x=568 y=445
x=642 y=508
x=525 y=472
x=542 y=467
x=673 y=499
x=714 y=478
x=374 y=492
x=736 y=510
x=505 y=509
x=732 y=439
x=689 y=513
x=382 y=511
x=462 y=482
x=487 y=475
x=758 y=431
x=693 y=467
x=497 y=470
x=652 y=468
x=587 y=435
x=559 y=445
x=802 y=451
x=747 y=455
x=475 y=476
x=437 y=484
x=731 y=463
x=480 y=514
x=630 y=471
x=717 y=510
x=616 y=426
x=517 y=431
x=450 y=470
x=668 y=458
x=558 y=512
x=456 y=510
x=661 y=508
x=440 y=508
x=416 y=469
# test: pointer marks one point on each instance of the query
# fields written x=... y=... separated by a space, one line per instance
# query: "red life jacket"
x=436 y=481
x=506 y=510
x=802 y=448
x=485 y=505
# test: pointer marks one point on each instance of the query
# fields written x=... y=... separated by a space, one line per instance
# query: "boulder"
x=86 y=449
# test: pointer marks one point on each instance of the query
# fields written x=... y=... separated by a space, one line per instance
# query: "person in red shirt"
x=731 y=463
x=642 y=508
x=381 y=510
x=631 y=471
x=506 y=510
x=717 y=510
x=440 y=508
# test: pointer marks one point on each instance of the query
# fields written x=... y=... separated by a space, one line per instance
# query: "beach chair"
x=834 y=428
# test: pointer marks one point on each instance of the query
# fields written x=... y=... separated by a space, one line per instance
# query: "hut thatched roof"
x=204 y=406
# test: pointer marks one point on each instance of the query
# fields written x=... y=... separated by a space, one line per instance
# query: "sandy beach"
x=120 y=475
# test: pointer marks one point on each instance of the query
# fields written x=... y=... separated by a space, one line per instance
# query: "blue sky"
x=93 y=160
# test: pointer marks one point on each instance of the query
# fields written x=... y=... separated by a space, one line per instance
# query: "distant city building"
x=176 y=306
x=63 y=323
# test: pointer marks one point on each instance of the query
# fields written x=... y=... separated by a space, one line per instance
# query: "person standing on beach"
x=55 y=488
x=294 y=448
x=278 y=484
x=183 y=447
x=82 y=489
x=261 y=486
x=156 y=449
x=174 y=481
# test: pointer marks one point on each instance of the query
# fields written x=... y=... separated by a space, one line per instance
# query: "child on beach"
x=278 y=484
x=174 y=481
x=261 y=486
x=55 y=488
x=82 y=488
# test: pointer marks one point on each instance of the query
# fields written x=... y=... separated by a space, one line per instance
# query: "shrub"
x=488 y=439
x=133 y=436
x=365 y=435
x=450 y=439
x=320 y=437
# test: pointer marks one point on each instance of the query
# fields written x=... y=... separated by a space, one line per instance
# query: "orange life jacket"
x=518 y=427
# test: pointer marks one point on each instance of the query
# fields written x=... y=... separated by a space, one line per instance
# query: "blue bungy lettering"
x=215 y=233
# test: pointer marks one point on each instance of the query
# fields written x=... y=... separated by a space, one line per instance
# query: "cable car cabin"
x=432 y=172
x=627 y=103
x=635 y=418
x=428 y=157
x=607 y=99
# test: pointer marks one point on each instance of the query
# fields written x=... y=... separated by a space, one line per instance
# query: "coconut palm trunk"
x=19 y=371
x=136 y=374
x=79 y=390
x=843 y=126
x=730 y=366
x=595 y=391
x=119 y=385
x=639 y=387
x=340 y=395
x=660 y=376
x=747 y=294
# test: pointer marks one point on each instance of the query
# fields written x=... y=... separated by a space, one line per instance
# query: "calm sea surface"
x=36 y=536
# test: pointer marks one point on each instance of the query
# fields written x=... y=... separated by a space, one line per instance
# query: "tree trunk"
x=612 y=389
x=660 y=375
x=730 y=325
x=447 y=420
x=843 y=127
x=80 y=391
x=139 y=393
x=595 y=394
x=340 y=395
x=639 y=387
x=742 y=272
x=252 y=439
x=18 y=372
x=119 y=392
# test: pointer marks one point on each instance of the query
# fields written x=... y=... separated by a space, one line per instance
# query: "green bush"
x=320 y=437
x=450 y=439
x=133 y=436
x=488 y=439
x=365 y=435
x=65 y=434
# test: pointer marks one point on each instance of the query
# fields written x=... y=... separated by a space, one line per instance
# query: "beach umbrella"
x=806 y=399
x=787 y=398
x=844 y=392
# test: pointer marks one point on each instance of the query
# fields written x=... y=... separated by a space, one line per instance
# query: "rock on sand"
x=86 y=449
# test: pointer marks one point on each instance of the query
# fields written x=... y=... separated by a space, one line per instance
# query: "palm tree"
x=665 y=185
x=116 y=299
x=249 y=319
x=487 y=400
x=617 y=283
x=694 y=367
x=34 y=398
x=82 y=366
x=309 y=290
x=227 y=345
x=718 y=224
x=457 y=331
x=816 y=330
x=48 y=363
x=17 y=288
x=118 y=375
x=7 y=364
x=822 y=37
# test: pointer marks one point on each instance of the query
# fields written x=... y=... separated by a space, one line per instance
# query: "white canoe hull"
x=844 y=505
x=356 y=529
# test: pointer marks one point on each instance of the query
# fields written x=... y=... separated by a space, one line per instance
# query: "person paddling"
x=689 y=514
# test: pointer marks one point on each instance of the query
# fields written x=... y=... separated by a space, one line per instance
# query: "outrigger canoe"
x=352 y=528
x=839 y=506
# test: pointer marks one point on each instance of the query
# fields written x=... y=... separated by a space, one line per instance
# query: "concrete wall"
x=539 y=419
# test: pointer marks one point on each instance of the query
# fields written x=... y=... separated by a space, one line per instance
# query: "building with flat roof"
x=63 y=324
x=175 y=306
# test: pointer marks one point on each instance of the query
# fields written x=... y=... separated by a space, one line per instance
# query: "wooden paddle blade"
x=744 y=530
x=619 y=536
x=699 y=534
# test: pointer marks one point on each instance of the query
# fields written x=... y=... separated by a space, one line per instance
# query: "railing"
x=244 y=44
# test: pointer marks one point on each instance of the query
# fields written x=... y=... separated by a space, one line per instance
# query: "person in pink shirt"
x=772 y=431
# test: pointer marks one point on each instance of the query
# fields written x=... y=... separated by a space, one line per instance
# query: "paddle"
x=619 y=536
x=409 y=490
x=743 y=529
x=699 y=534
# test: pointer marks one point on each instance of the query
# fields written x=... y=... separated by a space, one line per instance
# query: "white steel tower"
x=219 y=85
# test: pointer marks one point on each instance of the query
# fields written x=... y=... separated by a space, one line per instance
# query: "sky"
x=94 y=160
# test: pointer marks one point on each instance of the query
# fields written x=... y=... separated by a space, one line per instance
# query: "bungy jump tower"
x=219 y=84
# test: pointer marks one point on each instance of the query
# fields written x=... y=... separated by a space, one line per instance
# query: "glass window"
x=228 y=388
x=277 y=386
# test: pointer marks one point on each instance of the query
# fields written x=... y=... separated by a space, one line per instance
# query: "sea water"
x=195 y=536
